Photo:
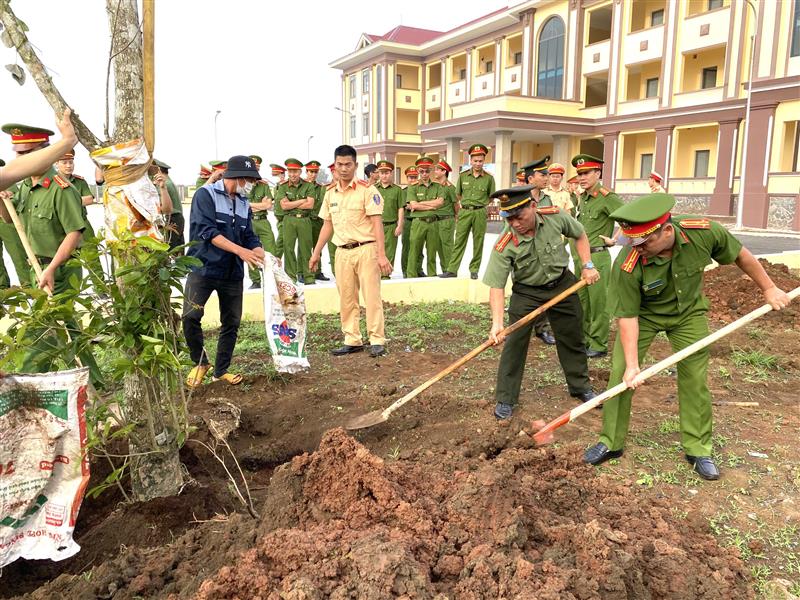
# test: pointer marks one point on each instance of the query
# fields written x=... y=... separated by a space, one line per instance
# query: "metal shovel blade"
x=368 y=420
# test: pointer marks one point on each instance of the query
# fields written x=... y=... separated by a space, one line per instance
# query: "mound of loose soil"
x=733 y=294
x=342 y=523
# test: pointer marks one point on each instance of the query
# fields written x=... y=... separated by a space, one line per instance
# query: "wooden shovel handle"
x=37 y=268
x=487 y=344
x=576 y=412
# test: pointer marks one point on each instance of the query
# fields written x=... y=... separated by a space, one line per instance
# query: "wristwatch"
x=588 y=265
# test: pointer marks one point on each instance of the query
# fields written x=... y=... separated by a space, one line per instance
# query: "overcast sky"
x=262 y=64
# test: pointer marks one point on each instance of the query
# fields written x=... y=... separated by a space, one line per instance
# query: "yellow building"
x=646 y=84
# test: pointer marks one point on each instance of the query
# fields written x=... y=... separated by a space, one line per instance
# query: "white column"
x=616 y=45
x=526 y=55
x=573 y=43
x=667 y=67
x=502 y=159
x=498 y=59
x=561 y=150
x=468 y=92
x=454 y=156
x=443 y=92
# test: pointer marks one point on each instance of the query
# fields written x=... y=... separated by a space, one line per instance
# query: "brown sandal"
x=197 y=375
x=230 y=378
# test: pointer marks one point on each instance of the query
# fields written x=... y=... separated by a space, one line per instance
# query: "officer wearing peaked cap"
x=296 y=198
x=393 y=212
x=473 y=189
x=445 y=215
x=312 y=171
x=260 y=203
x=424 y=198
x=278 y=171
x=657 y=287
x=412 y=177
x=531 y=250
x=593 y=211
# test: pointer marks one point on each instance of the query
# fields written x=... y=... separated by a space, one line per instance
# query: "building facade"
x=647 y=84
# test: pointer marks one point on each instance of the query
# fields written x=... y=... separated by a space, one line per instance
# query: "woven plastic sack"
x=284 y=317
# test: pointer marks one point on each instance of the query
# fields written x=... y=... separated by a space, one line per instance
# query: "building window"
x=712 y=4
x=352 y=126
x=518 y=55
x=651 y=90
x=646 y=167
x=489 y=66
x=657 y=17
x=365 y=124
x=550 y=71
x=709 y=77
x=701 y=163
x=398 y=81
x=462 y=74
x=352 y=86
x=365 y=81
x=795 y=51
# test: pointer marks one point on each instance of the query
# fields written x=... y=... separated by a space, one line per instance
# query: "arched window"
x=550 y=70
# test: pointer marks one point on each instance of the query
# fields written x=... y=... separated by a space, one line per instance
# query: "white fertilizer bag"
x=284 y=317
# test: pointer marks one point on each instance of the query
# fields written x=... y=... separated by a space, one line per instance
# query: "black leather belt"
x=554 y=283
x=472 y=207
x=260 y=216
x=297 y=215
x=389 y=222
x=443 y=217
x=427 y=219
x=352 y=245
x=594 y=249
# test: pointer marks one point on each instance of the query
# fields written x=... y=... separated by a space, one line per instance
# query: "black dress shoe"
x=704 y=466
x=599 y=453
x=321 y=277
x=300 y=279
x=503 y=411
x=421 y=274
x=447 y=275
x=547 y=338
x=341 y=351
x=473 y=275
x=256 y=285
x=376 y=350
x=595 y=353
x=585 y=396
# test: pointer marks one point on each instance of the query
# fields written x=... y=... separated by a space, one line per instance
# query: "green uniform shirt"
x=670 y=286
x=319 y=196
x=448 y=208
x=257 y=194
x=286 y=190
x=593 y=210
x=532 y=260
x=201 y=181
x=175 y=197
x=48 y=212
x=393 y=200
x=420 y=193
x=475 y=191
x=83 y=189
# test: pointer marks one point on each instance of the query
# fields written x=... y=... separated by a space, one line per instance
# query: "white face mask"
x=245 y=189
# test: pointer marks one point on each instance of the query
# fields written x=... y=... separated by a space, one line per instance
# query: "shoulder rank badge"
x=695 y=223
x=630 y=261
x=503 y=241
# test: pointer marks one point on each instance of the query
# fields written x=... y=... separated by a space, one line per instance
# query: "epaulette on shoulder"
x=78 y=177
x=695 y=223
x=630 y=261
x=503 y=241
x=362 y=182
x=63 y=183
x=548 y=210
x=331 y=185
x=604 y=190
x=264 y=181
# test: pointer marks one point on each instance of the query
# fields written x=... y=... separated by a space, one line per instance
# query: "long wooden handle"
x=487 y=344
x=576 y=412
x=37 y=268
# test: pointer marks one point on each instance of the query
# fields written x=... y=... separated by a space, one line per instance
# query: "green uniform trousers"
x=263 y=230
x=46 y=351
x=469 y=220
x=390 y=241
x=694 y=398
x=404 y=251
x=423 y=236
x=594 y=300
x=569 y=340
x=445 y=230
x=316 y=228
x=279 y=239
x=9 y=239
x=297 y=240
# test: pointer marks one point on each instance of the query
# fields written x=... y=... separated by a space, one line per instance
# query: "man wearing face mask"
x=221 y=224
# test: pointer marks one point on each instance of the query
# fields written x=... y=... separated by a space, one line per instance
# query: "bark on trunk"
x=126 y=51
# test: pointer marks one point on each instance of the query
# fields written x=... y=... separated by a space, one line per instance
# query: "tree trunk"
x=155 y=463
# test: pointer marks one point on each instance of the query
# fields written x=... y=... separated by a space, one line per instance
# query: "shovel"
x=545 y=434
x=379 y=416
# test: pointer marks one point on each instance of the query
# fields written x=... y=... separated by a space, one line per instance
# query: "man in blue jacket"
x=221 y=227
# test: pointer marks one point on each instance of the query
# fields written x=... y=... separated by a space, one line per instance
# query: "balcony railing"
x=433 y=98
x=483 y=86
x=644 y=46
x=596 y=57
x=512 y=78
x=705 y=30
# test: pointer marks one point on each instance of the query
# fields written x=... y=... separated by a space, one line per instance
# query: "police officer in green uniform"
x=657 y=286
x=531 y=250
x=593 y=211
x=278 y=171
x=473 y=190
x=423 y=199
x=393 y=211
x=177 y=222
x=49 y=208
x=412 y=177
x=446 y=215
x=203 y=175
x=260 y=203
x=312 y=171
x=10 y=240
x=536 y=175
x=296 y=198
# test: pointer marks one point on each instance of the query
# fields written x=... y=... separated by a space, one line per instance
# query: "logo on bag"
x=285 y=333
